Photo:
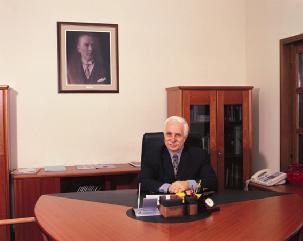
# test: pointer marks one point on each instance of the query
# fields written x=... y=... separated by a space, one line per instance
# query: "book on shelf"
x=54 y=168
x=25 y=171
x=94 y=166
x=135 y=164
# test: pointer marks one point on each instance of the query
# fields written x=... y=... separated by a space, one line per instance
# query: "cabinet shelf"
x=230 y=156
x=199 y=122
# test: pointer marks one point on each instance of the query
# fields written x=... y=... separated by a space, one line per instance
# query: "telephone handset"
x=269 y=177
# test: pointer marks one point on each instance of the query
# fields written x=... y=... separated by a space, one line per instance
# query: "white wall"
x=268 y=21
x=161 y=44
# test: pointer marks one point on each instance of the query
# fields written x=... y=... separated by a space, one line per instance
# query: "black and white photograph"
x=88 y=57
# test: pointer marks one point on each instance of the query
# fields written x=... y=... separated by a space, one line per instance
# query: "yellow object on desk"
x=182 y=195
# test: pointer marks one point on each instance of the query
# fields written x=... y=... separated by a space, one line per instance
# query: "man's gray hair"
x=180 y=120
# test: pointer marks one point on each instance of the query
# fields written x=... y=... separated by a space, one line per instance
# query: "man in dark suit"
x=86 y=65
x=176 y=167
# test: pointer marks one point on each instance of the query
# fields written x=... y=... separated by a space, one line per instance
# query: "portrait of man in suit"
x=88 y=58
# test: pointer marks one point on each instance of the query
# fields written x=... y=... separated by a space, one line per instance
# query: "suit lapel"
x=167 y=164
x=184 y=164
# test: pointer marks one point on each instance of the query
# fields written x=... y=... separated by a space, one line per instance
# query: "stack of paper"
x=26 y=171
x=94 y=166
x=55 y=168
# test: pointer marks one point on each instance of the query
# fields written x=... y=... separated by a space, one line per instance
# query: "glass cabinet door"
x=233 y=146
x=199 y=123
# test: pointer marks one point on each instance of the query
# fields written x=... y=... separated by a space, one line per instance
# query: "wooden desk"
x=28 y=188
x=274 y=218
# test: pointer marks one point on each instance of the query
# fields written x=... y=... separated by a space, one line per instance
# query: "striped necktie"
x=175 y=164
x=87 y=71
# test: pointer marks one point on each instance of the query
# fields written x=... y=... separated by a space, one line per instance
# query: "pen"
x=198 y=186
x=139 y=191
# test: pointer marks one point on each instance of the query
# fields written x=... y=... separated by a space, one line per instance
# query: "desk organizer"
x=189 y=204
x=172 y=206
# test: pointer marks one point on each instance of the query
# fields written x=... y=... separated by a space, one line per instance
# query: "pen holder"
x=191 y=203
x=172 y=207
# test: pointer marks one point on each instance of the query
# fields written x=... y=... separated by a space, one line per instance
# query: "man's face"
x=86 y=47
x=174 y=137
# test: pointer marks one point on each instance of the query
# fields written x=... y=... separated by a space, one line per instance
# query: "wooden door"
x=291 y=101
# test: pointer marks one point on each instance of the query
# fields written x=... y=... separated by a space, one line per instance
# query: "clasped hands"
x=178 y=186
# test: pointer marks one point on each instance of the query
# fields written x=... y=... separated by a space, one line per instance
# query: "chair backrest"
x=154 y=141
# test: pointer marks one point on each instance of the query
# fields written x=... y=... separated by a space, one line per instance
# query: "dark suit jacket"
x=76 y=75
x=157 y=169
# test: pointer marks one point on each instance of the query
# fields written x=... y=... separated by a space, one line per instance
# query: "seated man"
x=176 y=167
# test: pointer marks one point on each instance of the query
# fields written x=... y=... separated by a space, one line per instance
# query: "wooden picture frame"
x=87 y=57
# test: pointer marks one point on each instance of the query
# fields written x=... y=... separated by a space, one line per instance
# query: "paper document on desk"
x=157 y=197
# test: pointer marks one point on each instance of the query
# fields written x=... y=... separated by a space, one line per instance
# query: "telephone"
x=269 y=177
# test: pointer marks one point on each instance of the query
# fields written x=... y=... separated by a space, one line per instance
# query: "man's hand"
x=178 y=186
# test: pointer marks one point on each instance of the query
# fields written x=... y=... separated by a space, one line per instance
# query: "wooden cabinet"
x=27 y=191
x=28 y=188
x=223 y=118
x=4 y=163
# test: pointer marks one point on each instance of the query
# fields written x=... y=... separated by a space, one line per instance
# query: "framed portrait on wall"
x=87 y=57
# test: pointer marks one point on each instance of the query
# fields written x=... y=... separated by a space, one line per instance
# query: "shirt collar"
x=178 y=153
x=87 y=62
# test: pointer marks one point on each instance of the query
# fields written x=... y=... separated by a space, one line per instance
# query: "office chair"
x=153 y=141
